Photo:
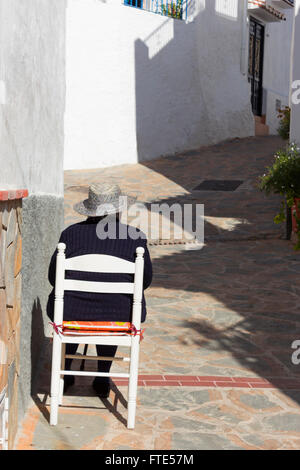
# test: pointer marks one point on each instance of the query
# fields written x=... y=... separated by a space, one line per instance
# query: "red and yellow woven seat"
x=97 y=328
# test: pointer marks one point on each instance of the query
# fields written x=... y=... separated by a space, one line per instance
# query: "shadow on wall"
x=36 y=343
x=38 y=339
x=186 y=82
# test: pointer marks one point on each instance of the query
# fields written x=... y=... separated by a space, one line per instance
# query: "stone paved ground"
x=216 y=369
x=243 y=214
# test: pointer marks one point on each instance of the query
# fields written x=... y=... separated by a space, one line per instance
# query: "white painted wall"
x=32 y=103
x=32 y=95
x=295 y=124
x=277 y=76
x=140 y=85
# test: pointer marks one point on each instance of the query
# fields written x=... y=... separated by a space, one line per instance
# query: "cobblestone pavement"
x=215 y=368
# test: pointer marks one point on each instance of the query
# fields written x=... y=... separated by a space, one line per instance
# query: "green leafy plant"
x=283 y=178
x=174 y=10
x=285 y=122
x=296 y=212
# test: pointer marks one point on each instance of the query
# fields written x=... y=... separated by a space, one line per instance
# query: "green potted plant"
x=285 y=122
x=174 y=10
x=283 y=178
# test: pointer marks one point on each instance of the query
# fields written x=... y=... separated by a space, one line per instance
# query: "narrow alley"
x=215 y=366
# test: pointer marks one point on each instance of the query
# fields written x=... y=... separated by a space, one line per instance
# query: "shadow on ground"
x=236 y=306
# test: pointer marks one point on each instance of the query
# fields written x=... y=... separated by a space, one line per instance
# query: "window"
x=172 y=8
x=134 y=3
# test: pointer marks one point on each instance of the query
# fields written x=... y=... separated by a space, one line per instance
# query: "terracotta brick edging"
x=12 y=194
x=283 y=383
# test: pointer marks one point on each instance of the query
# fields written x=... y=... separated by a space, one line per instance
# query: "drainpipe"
x=295 y=77
x=292 y=61
x=244 y=37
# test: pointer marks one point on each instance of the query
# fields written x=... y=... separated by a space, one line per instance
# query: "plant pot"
x=295 y=213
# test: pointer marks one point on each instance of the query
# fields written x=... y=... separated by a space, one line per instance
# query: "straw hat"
x=104 y=199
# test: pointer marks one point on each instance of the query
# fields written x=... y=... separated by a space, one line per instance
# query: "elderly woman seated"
x=102 y=208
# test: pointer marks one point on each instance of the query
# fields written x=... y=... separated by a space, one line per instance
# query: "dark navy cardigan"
x=81 y=239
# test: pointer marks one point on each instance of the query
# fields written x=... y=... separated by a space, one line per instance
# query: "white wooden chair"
x=100 y=264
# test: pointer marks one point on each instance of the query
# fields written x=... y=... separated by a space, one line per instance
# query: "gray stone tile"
x=201 y=441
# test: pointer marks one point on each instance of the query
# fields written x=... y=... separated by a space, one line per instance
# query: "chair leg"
x=55 y=379
x=133 y=382
x=61 y=380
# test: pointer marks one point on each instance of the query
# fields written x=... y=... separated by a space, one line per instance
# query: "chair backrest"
x=99 y=264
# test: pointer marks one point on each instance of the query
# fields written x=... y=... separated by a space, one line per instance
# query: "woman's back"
x=83 y=238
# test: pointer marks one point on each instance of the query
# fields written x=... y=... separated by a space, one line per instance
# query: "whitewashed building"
x=141 y=84
x=32 y=104
x=271 y=27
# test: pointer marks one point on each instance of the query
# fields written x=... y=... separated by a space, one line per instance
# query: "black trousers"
x=102 y=350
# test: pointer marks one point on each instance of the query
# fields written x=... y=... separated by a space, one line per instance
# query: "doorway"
x=256 y=65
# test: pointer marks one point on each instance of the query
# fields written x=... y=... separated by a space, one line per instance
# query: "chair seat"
x=88 y=328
